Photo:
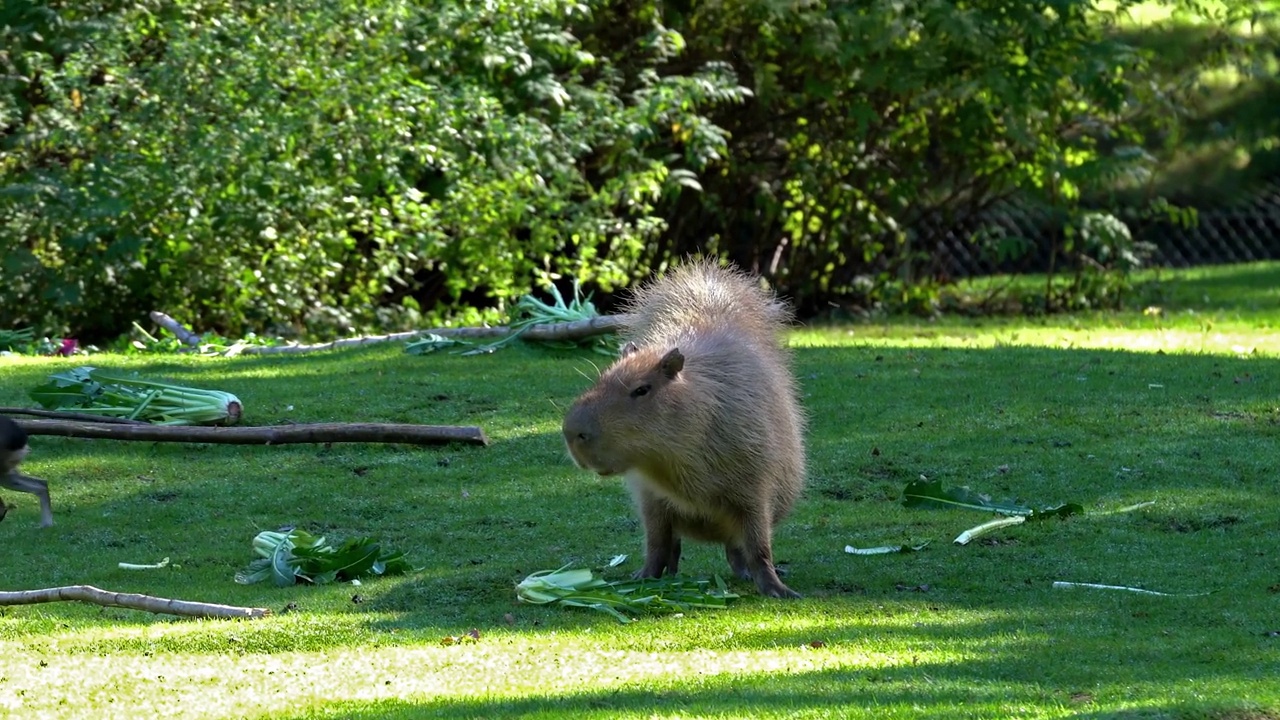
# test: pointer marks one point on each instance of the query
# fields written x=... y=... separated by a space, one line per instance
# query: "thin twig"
x=575 y=330
x=64 y=415
x=132 y=601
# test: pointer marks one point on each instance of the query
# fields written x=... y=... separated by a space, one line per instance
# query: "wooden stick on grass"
x=575 y=330
x=180 y=331
x=131 y=601
x=273 y=435
x=66 y=415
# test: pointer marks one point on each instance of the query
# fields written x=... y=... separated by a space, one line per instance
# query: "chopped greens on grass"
x=527 y=312
x=287 y=558
x=1127 y=508
x=581 y=588
x=530 y=311
x=92 y=391
x=930 y=494
x=430 y=342
x=925 y=493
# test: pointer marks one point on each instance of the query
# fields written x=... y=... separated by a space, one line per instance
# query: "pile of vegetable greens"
x=95 y=392
x=293 y=556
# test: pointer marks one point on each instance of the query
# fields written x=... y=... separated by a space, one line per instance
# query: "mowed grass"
x=1105 y=411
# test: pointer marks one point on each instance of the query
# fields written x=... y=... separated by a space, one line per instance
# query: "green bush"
x=307 y=167
x=312 y=168
x=881 y=124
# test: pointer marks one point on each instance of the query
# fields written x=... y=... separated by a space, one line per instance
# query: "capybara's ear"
x=671 y=364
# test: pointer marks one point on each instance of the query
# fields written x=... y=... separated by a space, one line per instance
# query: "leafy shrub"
x=316 y=167
x=878 y=127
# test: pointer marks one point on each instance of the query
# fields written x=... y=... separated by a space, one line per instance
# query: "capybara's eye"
x=642 y=390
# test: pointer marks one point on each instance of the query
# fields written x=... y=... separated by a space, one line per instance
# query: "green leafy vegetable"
x=527 y=312
x=580 y=588
x=530 y=311
x=295 y=556
x=13 y=339
x=89 y=390
x=925 y=493
x=431 y=342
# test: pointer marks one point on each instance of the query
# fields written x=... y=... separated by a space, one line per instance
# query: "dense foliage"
x=880 y=127
x=311 y=168
x=253 y=165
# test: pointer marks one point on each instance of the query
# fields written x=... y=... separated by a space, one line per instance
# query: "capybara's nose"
x=579 y=427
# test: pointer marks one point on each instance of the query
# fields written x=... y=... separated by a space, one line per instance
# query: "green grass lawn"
x=1182 y=408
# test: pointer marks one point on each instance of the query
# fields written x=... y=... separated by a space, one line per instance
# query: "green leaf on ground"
x=581 y=588
x=924 y=493
x=287 y=558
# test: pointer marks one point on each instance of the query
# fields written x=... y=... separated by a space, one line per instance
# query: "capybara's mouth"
x=584 y=464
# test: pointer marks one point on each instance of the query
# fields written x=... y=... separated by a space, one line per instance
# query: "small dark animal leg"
x=27 y=484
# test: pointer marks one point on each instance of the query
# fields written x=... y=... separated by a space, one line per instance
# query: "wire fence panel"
x=1245 y=231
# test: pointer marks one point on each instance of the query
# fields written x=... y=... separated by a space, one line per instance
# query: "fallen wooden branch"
x=239 y=349
x=180 y=331
x=64 y=415
x=576 y=330
x=131 y=601
x=272 y=435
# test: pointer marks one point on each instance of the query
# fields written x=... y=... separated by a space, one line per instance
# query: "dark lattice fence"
x=1243 y=231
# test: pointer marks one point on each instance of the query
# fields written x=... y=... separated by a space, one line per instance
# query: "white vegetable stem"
x=140 y=566
x=964 y=537
x=1062 y=585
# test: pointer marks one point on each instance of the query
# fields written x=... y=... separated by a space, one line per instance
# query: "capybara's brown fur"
x=701 y=415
